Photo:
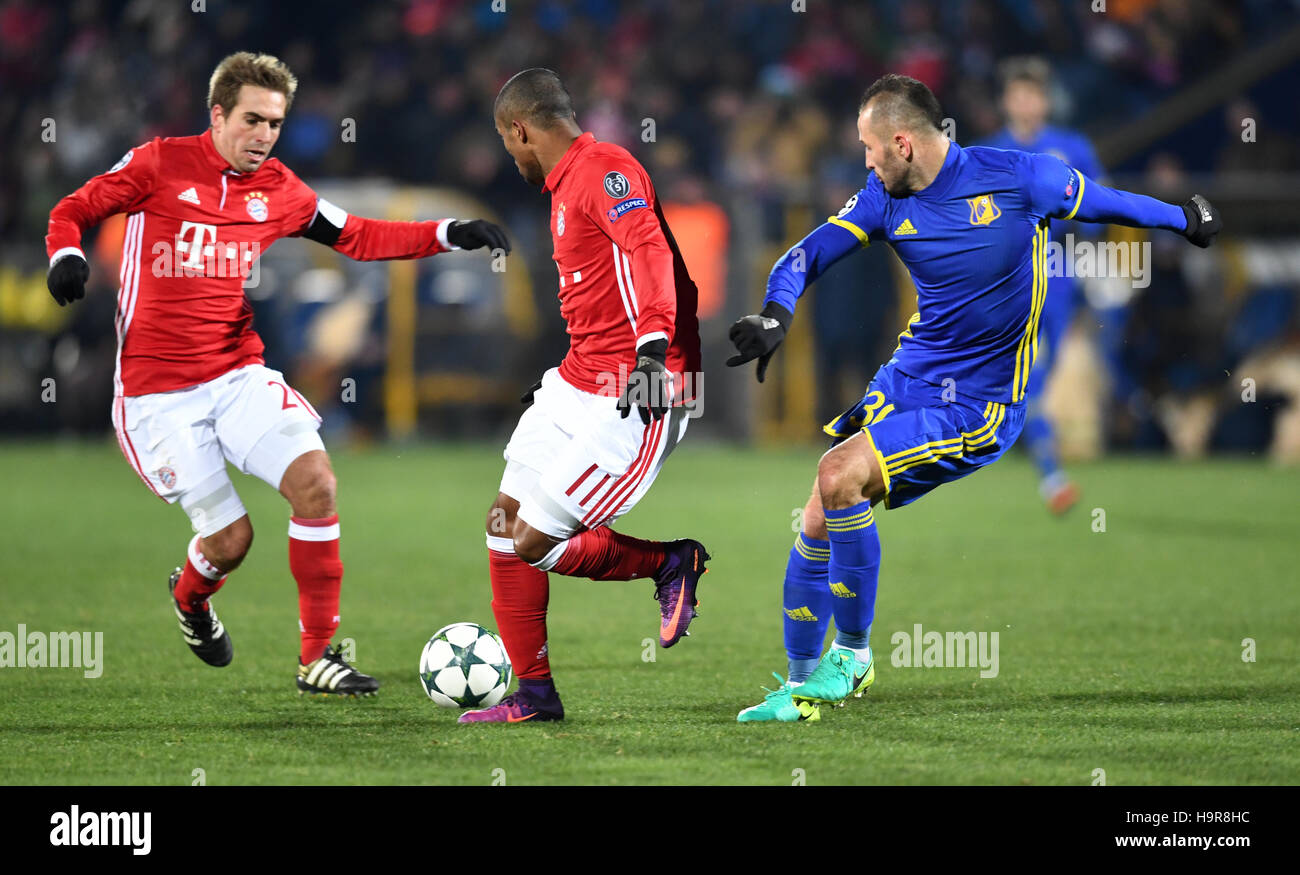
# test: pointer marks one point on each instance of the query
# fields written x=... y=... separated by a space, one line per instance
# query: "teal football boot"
x=778 y=705
x=839 y=675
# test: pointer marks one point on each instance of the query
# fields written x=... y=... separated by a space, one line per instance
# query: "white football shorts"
x=574 y=463
x=179 y=441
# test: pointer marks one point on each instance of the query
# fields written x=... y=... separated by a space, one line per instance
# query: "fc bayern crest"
x=167 y=476
x=616 y=184
x=256 y=204
x=559 y=222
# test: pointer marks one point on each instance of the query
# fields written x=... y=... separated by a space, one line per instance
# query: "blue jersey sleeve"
x=843 y=233
x=1059 y=191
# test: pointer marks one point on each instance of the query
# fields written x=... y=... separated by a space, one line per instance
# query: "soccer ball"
x=465 y=666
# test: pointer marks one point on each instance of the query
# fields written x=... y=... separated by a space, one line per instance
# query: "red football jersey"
x=622 y=278
x=195 y=226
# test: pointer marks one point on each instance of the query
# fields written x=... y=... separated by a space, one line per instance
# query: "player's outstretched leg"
x=676 y=582
x=192 y=586
x=778 y=705
x=604 y=554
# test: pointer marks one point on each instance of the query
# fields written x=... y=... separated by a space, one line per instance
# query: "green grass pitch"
x=1119 y=650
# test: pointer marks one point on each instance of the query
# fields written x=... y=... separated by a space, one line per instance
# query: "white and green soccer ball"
x=465 y=666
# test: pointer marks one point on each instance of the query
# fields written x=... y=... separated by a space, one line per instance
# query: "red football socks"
x=199 y=580
x=604 y=554
x=520 y=593
x=315 y=564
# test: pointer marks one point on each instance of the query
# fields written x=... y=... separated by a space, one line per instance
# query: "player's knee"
x=501 y=517
x=310 y=486
x=837 y=483
x=317 y=496
x=530 y=544
x=227 y=548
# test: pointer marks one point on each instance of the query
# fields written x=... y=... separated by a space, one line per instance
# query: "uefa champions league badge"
x=122 y=162
x=167 y=476
x=256 y=204
x=616 y=184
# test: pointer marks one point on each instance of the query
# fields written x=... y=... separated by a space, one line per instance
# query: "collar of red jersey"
x=570 y=155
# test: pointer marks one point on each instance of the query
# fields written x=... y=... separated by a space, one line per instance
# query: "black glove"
x=526 y=399
x=1203 y=222
x=475 y=233
x=67 y=279
x=758 y=336
x=649 y=386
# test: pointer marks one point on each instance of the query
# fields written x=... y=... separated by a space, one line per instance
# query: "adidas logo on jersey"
x=190 y=196
x=842 y=591
x=801 y=614
x=904 y=229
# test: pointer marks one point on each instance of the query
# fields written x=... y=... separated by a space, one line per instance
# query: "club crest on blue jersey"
x=619 y=209
x=616 y=184
x=983 y=210
x=256 y=204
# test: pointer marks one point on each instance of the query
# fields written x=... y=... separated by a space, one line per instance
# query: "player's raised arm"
x=380 y=239
x=122 y=188
x=1065 y=193
x=758 y=336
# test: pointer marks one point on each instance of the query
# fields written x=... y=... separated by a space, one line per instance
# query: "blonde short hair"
x=246 y=68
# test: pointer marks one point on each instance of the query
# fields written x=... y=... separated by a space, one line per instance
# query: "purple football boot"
x=676 y=582
x=535 y=700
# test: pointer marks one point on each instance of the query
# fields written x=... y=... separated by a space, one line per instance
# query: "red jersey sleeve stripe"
x=622 y=290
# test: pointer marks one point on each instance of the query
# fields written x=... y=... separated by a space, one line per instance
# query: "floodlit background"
x=743 y=113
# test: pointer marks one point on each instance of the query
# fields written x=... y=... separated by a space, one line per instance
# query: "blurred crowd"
x=729 y=101
x=741 y=92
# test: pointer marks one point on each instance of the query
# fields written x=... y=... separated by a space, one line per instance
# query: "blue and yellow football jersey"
x=975 y=242
x=952 y=398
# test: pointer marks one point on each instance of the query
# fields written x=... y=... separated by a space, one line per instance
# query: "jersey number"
x=869 y=414
x=286 y=404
